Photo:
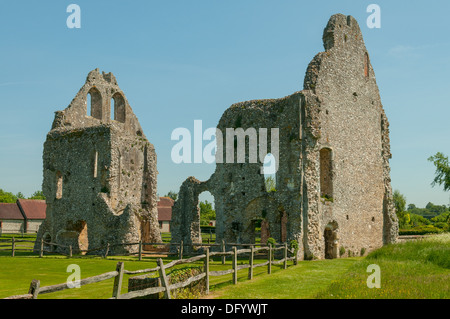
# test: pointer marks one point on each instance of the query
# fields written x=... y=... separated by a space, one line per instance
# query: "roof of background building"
x=10 y=211
x=165 y=202
x=32 y=208
x=164 y=214
x=165 y=208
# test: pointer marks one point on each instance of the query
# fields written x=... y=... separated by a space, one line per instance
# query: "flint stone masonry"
x=99 y=173
x=333 y=189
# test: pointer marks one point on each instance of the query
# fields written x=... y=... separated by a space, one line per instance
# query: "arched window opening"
x=326 y=174
x=118 y=112
x=113 y=107
x=94 y=103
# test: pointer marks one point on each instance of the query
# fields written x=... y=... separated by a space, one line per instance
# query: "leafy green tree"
x=399 y=201
x=7 y=197
x=207 y=213
x=417 y=220
x=37 y=195
x=172 y=195
x=442 y=165
x=20 y=195
x=403 y=216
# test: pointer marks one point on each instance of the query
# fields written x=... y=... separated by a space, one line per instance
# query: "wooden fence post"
x=41 y=251
x=140 y=250
x=118 y=280
x=70 y=251
x=235 y=265
x=269 y=266
x=223 y=250
x=13 y=246
x=34 y=288
x=164 y=281
x=207 y=271
x=250 y=270
x=181 y=249
x=285 y=255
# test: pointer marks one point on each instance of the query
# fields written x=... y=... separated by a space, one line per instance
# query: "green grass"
x=415 y=269
x=302 y=281
x=18 y=272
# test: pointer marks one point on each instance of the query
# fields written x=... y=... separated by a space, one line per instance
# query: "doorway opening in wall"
x=207 y=217
x=331 y=241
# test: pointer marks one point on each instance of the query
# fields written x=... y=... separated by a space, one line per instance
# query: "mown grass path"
x=302 y=281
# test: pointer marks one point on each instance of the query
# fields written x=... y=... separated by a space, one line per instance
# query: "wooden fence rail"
x=104 y=251
x=161 y=269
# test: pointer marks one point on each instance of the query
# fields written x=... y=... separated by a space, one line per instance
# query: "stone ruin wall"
x=333 y=184
x=99 y=174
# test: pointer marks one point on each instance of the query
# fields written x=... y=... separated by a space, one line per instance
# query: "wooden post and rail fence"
x=161 y=270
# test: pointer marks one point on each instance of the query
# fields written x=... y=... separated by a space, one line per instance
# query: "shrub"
x=363 y=251
x=271 y=241
x=421 y=230
x=341 y=251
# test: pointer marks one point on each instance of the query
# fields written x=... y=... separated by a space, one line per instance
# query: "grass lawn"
x=416 y=269
x=302 y=281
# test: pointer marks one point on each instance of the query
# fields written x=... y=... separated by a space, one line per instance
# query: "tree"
x=172 y=195
x=207 y=213
x=7 y=197
x=38 y=195
x=399 y=201
x=20 y=195
x=400 y=207
x=442 y=177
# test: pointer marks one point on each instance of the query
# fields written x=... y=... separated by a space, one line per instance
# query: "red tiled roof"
x=33 y=208
x=165 y=202
x=164 y=214
x=10 y=211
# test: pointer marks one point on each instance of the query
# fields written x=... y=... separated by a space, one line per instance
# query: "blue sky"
x=179 y=61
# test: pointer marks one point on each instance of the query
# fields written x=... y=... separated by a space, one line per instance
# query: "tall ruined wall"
x=353 y=130
x=332 y=185
x=99 y=172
